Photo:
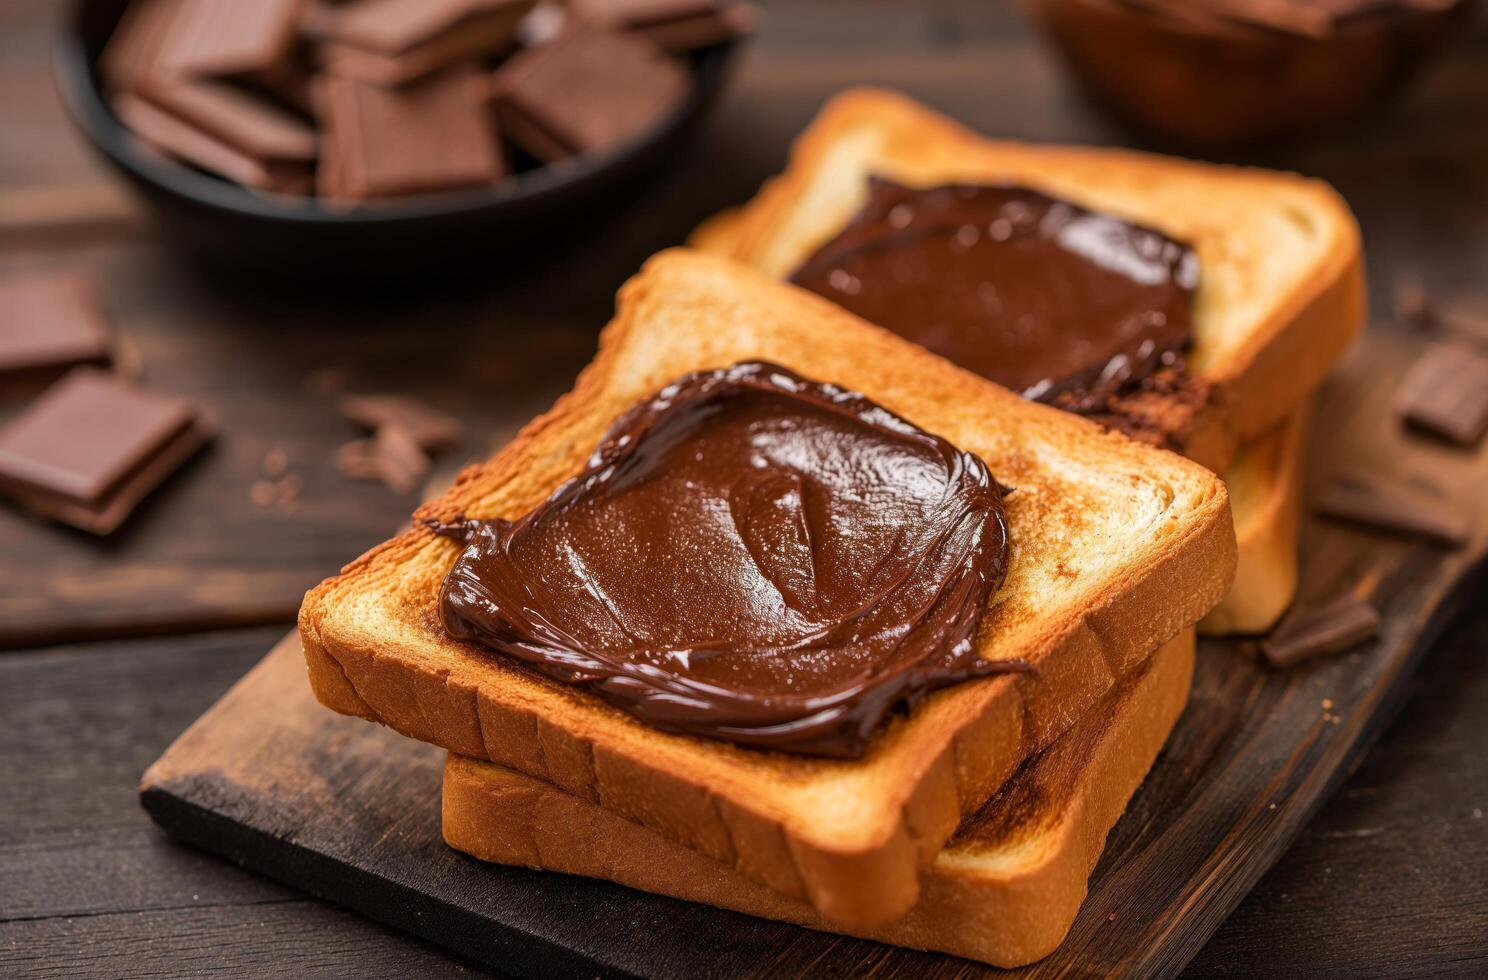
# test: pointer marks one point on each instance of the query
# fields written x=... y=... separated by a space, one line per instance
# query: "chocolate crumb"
x=275 y=462
x=401 y=462
x=1330 y=628
x=261 y=493
x=430 y=428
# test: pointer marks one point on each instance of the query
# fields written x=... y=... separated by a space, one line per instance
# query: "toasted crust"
x=1265 y=486
x=1004 y=890
x=1281 y=291
x=1116 y=548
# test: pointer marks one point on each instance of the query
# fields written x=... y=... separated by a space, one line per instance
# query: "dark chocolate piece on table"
x=435 y=134
x=430 y=428
x=1446 y=392
x=1392 y=505
x=92 y=447
x=48 y=324
x=676 y=25
x=230 y=37
x=589 y=91
x=1330 y=628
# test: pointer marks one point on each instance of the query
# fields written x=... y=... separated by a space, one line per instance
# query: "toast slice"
x=1003 y=890
x=1116 y=548
x=1281 y=290
x=1265 y=485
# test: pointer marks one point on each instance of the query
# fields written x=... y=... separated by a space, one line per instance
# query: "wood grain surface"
x=349 y=811
x=1388 y=879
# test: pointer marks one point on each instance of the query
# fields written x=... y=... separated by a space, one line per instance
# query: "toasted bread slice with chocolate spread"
x=1281 y=285
x=1116 y=547
x=1003 y=890
x=1265 y=485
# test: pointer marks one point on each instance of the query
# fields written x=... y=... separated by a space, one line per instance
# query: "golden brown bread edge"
x=374 y=647
x=1004 y=890
x=1285 y=354
x=1265 y=485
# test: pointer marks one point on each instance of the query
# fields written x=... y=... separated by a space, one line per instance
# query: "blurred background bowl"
x=509 y=224
x=1194 y=79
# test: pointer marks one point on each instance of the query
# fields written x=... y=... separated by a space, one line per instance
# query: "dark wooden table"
x=113 y=647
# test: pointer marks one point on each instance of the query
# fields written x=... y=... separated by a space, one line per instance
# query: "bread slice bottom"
x=1003 y=890
x=1265 y=485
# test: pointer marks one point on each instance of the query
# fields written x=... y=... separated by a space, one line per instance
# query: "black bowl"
x=505 y=225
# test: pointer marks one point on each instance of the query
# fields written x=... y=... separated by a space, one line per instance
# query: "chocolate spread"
x=751 y=556
x=1065 y=305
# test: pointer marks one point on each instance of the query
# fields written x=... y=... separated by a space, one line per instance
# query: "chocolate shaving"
x=430 y=428
x=1446 y=392
x=1391 y=505
x=1330 y=628
x=401 y=464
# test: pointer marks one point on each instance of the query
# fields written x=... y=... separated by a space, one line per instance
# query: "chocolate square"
x=174 y=137
x=435 y=134
x=92 y=446
x=589 y=91
x=230 y=37
x=230 y=114
x=676 y=25
x=392 y=42
x=48 y=324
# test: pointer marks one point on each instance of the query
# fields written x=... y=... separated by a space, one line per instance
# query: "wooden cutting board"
x=350 y=811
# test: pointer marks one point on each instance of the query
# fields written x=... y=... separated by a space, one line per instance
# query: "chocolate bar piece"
x=1391 y=505
x=231 y=37
x=173 y=137
x=675 y=25
x=233 y=116
x=1446 y=392
x=1330 y=628
x=588 y=91
x=92 y=447
x=433 y=135
x=134 y=49
x=392 y=42
x=48 y=324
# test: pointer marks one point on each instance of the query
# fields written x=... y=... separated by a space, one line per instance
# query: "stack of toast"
x=972 y=822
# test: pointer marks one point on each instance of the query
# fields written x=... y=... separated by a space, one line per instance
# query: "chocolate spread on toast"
x=1066 y=305
x=751 y=556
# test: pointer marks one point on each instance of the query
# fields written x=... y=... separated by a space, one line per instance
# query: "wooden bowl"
x=1195 y=79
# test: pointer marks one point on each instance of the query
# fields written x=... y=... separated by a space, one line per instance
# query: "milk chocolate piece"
x=1331 y=628
x=430 y=429
x=392 y=42
x=91 y=447
x=231 y=115
x=134 y=49
x=435 y=134
x=177 y=138
x=749 y=555
x=1392 y=505
x=675 y=25
x=230 y=37
x=1065 y=305
x=1446 y=392
x=48 y=324
x=589 y=91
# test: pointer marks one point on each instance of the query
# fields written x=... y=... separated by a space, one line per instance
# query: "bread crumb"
x=1327 y=703
x=261 y=493
x=1271 y=806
